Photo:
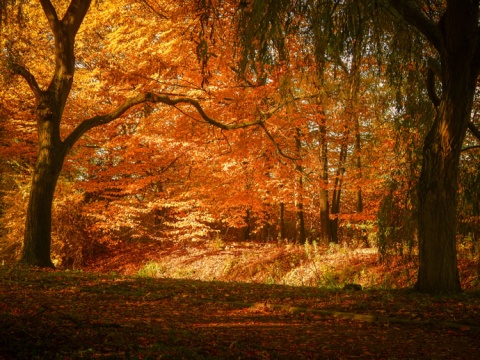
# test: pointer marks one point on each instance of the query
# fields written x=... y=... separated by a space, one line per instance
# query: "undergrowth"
x=328 y=267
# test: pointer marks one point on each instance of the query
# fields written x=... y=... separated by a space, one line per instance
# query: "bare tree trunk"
x=337 y=191
x=51 y=154
x=247 y=229
x=37 y=237
x=437 y=194
x=282 y=221
x=438 y=184
x=358 y=160
x=300 y=234
x=300 y=223
x=325 y=235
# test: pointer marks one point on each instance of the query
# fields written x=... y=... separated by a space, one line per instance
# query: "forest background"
x=331 y=120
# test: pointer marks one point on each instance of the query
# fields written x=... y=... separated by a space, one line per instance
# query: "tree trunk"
x=51 y=154
x=37 y=238
x=337 y=191
x=358 y=160
x=437 y=193
x=50 y=104
x=282 y=221
x=246 y=229
x=325 y=235
x=300 y=235
x=456 y=38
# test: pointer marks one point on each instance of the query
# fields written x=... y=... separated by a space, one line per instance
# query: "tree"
x=455 y=37
x=50 y=103
x=451 y=29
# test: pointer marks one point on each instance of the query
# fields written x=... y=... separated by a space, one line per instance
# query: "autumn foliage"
x=336 y=134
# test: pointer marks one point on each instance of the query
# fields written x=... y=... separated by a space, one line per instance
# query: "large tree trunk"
x=51 y=154
x=437 y=193
x=456 y=38
x=458 y=44
x=37 y=238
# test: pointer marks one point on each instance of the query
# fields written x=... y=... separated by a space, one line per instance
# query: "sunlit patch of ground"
x=269 y=263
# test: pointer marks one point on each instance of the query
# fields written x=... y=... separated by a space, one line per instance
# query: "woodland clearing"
x=126 y=312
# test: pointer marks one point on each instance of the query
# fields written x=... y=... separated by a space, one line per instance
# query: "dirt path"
x=69 y=315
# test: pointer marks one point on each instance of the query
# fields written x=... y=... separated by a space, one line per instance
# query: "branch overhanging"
x=28 y=76
x=413 y=16
x=474 y=130
x=149 y=97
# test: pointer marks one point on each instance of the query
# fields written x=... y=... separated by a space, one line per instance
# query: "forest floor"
x=144 y=309
x=79 y=315
x=271 y=263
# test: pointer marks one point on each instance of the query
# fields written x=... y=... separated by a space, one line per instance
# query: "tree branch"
x=476 y=57
x=51 y=15
x=151 y=98
x=432 y=93
x=473 y=129
x=75 y=14
x=147 y=4
x=407 y=11
x=29 y=78
x=470 y=148
x=272 y=139
x=436 y=67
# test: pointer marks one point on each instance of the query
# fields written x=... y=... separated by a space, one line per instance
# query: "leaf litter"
x=77 y=315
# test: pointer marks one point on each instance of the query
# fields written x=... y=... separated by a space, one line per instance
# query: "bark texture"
x=456 y=38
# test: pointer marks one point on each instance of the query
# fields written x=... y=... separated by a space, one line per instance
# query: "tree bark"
x=325 y=235
x=358 y=160
x=283 y=235
x=337 y=190
x=437 y=190
x=300 y=235
x=459 y=49
x=37 y=238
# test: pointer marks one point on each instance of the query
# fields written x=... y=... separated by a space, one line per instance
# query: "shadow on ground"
x=74 y=315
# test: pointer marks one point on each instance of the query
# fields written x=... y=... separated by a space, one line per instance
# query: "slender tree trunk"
x=337 y=191
x=353 y=113
x=282 y=221
x=300 y=234
x=322 y=37
x=300 y=223
x=247 y=230
x=358 y=160
x=325 y=235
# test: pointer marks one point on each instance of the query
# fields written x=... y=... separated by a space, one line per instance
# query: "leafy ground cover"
x=271 y=263
x=84 y=315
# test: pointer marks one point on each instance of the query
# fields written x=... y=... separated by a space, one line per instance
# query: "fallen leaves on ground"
x=75 y=315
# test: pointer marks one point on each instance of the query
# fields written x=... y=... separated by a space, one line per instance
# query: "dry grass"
x=269 y=263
